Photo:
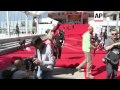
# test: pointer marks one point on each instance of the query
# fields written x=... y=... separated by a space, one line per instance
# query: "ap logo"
x=98 y=15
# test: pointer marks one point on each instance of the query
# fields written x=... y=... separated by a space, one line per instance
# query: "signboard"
x=98 y=16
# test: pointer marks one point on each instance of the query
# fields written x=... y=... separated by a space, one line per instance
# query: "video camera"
x=29 y=65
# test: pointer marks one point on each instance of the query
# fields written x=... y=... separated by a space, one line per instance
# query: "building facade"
x=74 y=17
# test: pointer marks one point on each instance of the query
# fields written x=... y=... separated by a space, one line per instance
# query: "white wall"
x=43 y=27
x=103 y=23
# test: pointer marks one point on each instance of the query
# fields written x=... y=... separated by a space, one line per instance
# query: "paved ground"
x=67 y=73
x=64 y=73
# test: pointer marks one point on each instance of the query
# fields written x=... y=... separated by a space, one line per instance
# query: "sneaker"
x=79 y=69
x=90 y=76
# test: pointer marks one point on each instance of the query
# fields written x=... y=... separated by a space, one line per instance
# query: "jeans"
x=111 y=70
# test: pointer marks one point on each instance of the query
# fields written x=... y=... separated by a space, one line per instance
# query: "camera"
x=29 y=65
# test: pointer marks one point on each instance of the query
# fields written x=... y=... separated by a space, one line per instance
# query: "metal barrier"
x=12 y=44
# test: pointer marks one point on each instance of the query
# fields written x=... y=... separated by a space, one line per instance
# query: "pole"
x=26 y=24
x=36 y=21
x=117 y=21
x=8 y=29
x=108 y=26
x=82 y=17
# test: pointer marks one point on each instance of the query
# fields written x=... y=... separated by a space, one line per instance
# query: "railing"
x=12 y=44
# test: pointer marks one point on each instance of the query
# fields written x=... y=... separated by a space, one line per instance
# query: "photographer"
x=43 y=58
x=59 y=38
x=112 y=45
x=15 y=72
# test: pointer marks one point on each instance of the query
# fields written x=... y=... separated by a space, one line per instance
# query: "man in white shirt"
x=44 y=58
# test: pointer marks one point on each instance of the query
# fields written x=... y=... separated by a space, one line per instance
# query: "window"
x=23 y=24
x=91 y=15
x=114 y=17
x=85 y=21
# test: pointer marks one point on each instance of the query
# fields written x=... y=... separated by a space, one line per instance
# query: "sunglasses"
x=114 y=34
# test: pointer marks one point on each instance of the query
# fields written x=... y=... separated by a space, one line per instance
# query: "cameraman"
x=15 y=72
x=43 y=58
x=112 y=57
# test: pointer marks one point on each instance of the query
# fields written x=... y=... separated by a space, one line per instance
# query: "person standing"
x=112 y=45
x=86 y=47
x=59 y=38
x=50 y=41
x=17 y=29
x=104 y=37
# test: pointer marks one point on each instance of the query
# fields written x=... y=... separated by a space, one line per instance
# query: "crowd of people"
x=42 y=63
x=111 y=44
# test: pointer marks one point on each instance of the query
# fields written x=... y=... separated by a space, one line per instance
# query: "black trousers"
x=22 y=46
x=111 y=70
x=58 y=52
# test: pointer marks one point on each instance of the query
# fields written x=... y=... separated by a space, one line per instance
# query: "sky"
x=13 y=16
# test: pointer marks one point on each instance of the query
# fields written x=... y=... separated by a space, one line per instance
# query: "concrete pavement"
x=67 y=73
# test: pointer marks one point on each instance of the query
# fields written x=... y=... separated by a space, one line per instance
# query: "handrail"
x=12 y=44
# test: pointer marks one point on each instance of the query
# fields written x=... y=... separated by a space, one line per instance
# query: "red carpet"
x=72 y=54
x=6 y=60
